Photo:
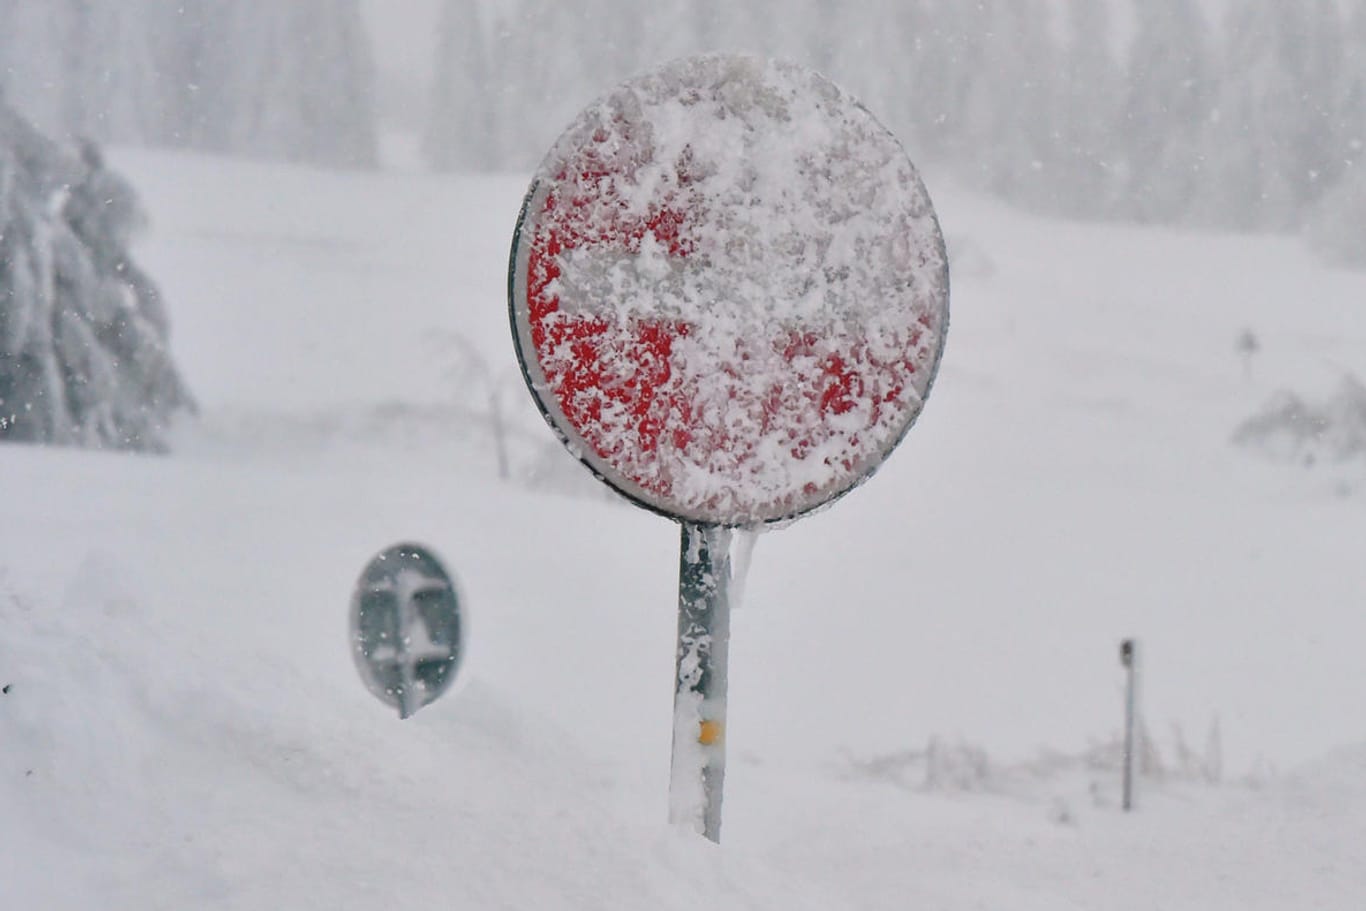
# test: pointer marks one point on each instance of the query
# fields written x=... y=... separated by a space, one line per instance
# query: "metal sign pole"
x=698 y=767
x=1127 y=657
x=718 y=397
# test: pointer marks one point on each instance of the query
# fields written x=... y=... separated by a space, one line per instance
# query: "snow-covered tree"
x=534 y=79
x=574 y=56
x=281 y=80
x=1086 y=106
x=820 y=40
x=83 y=333
x=1248 y=122
x=1007 y=116
x=291 y=81
x=1352 y=89
x=1323 y=78
x=945 y=45
x=710 y=26
x=1347 y=120
x=114 y=85
x=1337 y=225
x=460 y=126
x=34 y=42
x=1167 y=110
x=1272 y=124
x=884 y=30
x=773 y=28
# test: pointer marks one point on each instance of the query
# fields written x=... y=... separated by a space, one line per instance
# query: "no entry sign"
x=729 y=295
x=728 y=290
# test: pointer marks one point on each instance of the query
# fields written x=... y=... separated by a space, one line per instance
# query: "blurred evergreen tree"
x=1269 y=134
x=84 y=356
x=1169 y=87
x=460 y=133
x=1084 y=171
x=290 y=80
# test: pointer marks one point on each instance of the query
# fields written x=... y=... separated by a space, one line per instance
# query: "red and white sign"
x=729 y=291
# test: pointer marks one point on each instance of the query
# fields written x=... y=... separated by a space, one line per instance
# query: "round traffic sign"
x=729 y=290
x=406 y=628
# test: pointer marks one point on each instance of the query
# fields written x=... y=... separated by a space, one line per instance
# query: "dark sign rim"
x=528 y=364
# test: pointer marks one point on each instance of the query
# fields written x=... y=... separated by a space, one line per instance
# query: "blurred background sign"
x=406 y=628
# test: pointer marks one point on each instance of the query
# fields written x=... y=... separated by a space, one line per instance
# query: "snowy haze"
x=925 y=692
x=404 y=36
x=1149 y=430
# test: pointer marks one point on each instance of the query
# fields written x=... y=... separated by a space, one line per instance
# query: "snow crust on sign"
x=730 y=289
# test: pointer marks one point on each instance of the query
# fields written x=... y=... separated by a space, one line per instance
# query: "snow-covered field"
x=925 y=686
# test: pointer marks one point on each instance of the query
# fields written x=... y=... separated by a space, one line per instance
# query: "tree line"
x=1141 y=110
x=289 y=80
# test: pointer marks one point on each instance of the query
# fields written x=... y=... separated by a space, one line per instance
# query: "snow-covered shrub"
x=483 y=389
x=941 y=766
x=551 y=468
x=956 y=767
x=1283 y=427
x=83 y=333
x=969 y=257
x=1290 y=429
x=960 y=767
x=1345 y=415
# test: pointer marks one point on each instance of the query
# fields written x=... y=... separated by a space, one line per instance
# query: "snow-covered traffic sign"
x=406 y=628
x=729 y=295
x=729 y=291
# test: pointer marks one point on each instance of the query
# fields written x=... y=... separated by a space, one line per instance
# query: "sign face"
x=406 y=628
x=728 y=290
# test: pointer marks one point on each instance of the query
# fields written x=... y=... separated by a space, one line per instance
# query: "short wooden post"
x=1128 y=657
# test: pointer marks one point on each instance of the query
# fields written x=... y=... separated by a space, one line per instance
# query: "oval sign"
x=406 y=629
x=729 y=290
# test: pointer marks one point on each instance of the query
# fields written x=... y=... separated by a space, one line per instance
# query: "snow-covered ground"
x=925 y=686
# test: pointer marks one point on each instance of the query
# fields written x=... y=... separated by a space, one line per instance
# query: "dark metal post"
x=1128 y=657
x=500 y=433
x=698 y=766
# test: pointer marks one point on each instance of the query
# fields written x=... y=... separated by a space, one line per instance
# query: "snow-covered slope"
x=183 y=726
